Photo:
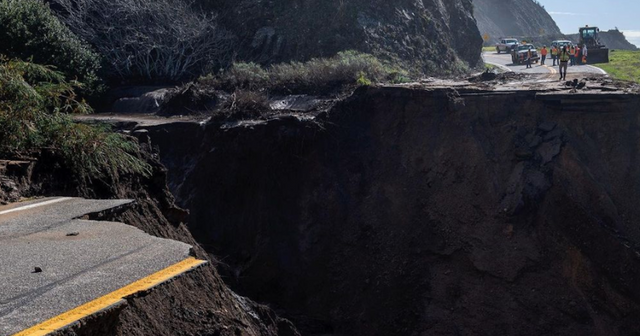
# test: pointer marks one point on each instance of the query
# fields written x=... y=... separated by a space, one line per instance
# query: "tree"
x=149 y=39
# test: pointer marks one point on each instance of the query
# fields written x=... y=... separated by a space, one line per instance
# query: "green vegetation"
x=319 y=75
x=35 y=107
x=491 y=48
x=493 y=68
x=624 y=65
x=29 y=30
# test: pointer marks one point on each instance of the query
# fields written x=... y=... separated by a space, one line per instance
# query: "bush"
x=35 y=103
x=245 y=104
x=155 y=40
x=320 y=75
x=28 y=30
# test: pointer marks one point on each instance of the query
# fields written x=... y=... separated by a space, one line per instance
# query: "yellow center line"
x=111 y=299
x=551 y=69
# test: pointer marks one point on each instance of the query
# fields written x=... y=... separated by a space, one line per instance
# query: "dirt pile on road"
x=427 y=210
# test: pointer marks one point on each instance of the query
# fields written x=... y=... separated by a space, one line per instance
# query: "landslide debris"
x=434 y=209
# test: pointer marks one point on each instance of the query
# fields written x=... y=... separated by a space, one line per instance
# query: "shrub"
x=29 y=30
x=35 y=103
x=245 y=104
x=320 y=75
x=149 y=39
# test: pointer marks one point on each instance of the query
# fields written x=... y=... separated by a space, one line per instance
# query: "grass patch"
x=623 y=65
x=35 y=107
x=486 y=49
x=493 y=68
x=317 y=76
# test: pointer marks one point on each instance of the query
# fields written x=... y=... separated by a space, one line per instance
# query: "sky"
x=605 y=14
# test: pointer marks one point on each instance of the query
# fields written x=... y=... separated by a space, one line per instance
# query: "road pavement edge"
x=104 y=302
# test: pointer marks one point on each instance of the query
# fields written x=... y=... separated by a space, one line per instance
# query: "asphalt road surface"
x=101 y=258
x=504 y=62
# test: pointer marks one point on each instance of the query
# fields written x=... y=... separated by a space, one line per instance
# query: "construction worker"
x=543 y=53
x=529 y=57
x=572 y=55
x=554 y=54
x=578 y=57
x=585 y=53
x=564 y=62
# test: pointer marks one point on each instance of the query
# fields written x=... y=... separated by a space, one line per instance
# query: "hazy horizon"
x=605 y=14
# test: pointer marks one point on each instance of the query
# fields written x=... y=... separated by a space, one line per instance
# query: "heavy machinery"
x=596 y=52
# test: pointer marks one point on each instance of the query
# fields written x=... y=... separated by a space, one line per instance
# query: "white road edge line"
x=598 y=69
x=499 y=66
x=31 y=206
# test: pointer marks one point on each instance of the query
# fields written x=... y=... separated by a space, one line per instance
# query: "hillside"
x=502 y=18
x=430 y=36
x=613 y=39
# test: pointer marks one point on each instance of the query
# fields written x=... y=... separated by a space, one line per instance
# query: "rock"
x=524 y=154
x=72 y=234
x=533 y=140
x=37 y=270
x=547 y=126
x=549 y=150
x=554 y=134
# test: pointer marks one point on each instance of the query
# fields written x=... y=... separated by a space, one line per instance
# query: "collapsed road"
x=59 y=267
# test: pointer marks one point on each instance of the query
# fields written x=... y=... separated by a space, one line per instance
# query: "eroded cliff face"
x=196 y=303
x=517 y=18
x=427 y=35
x=426 y=211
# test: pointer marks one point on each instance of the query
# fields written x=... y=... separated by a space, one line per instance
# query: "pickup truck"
x=519 y=55
x=506 y=45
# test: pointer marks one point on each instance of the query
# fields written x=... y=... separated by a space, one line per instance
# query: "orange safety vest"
x=577 y=52
x=572 y=51
x=554 y=51
x=544 y=52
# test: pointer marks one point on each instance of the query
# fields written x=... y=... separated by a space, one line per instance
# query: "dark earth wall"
x=426 y=212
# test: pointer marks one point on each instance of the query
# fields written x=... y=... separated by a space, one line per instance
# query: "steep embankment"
x=426 y=211
x=197 y=303
x=433 y=36
x=504 y=18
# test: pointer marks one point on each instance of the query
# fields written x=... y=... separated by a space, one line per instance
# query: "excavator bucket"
x=596 y=56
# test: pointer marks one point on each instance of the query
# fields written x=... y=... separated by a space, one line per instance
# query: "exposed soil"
x=198 y=303
x=431 y=209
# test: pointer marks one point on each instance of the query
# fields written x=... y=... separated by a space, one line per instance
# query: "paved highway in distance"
x=504 y=62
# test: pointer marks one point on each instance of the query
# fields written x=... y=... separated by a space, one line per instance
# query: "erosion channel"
x=425 y=210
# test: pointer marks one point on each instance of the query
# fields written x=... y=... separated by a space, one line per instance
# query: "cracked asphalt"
x=101 y=258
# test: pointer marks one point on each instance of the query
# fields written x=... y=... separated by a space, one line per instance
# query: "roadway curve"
x=503 y=61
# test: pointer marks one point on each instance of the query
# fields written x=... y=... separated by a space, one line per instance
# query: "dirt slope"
x=426 y=212
x=198 y=303
x=433 y=36
x=504 y=18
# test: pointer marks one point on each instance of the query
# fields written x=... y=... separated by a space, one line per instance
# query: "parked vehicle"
x=519 y=55
x=560 y=43
x=506 y=45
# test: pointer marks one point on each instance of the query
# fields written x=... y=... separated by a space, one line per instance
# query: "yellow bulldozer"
x=596 y=51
